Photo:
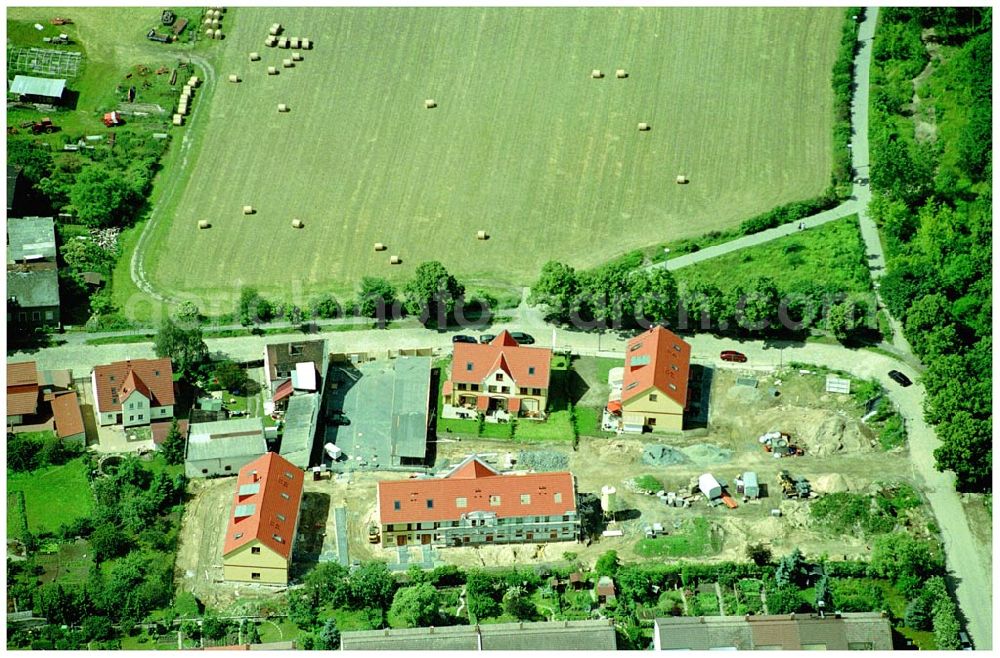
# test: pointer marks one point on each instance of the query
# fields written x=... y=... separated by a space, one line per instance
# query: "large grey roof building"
x=299 y=433
x=42 y=88
x=31 y=240
x=223 y=447
x=834 y=632
x=585 y=635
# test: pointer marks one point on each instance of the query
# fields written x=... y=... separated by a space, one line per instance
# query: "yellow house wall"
x=240 y=563
x=668 y=414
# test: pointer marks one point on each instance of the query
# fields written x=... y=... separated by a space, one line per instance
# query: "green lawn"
x=523 y=143
x=17 y=521
x=693 y=539
x=831 y=254
x=54 y=495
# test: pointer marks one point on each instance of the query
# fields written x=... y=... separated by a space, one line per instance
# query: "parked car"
x=734 y=356
x=899 y=378
x=462 y=338
x=486 y=338
x=522 y=338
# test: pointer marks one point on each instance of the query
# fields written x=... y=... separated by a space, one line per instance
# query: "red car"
x=730 y=355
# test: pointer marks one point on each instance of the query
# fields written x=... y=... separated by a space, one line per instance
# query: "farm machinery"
x=43 y=126
x=61 y=21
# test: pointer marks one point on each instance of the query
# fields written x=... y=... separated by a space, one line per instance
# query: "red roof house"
x=134 y=392
x=501 y=374
x=68 y=418
x=22 y=391
x=263 y=521
x=655 y=383
x=464 y=507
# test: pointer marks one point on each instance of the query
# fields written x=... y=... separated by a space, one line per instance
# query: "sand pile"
x=656 y=454
x=831 y=483
x=705 y=454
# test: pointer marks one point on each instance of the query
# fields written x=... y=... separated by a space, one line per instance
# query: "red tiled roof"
x=447 y=388
x=20 y=374
x=277 y=494
x=477 y=483
x=659 y=359
x=527 y=366
x=66 y=412
x=283 y=391
x=154 y=377
x=615 y=406
x=161 y=428
x=22 y=389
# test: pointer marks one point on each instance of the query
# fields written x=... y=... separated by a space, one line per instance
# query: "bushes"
x=857 y=595
x=790 y=212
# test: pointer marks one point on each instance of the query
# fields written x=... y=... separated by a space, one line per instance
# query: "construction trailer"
x=751 y=488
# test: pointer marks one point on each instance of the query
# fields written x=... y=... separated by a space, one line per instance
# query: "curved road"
x=973 y=580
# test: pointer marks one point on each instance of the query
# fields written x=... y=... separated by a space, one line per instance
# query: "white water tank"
x=608 y=498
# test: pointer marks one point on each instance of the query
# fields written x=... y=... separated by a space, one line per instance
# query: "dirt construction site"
x=840 y=454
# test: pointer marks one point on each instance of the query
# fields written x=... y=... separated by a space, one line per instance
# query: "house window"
x=494 y=501
x=131 y=418
x=673 y=387
x=631 y=386
x=49 y=315
x=468 y=366
x=430 y=503
x=254 y=575
x=531 y=370
x=204 y=471
x=677 y=347
x=295 y=350
x=525 y=499
x=461 y=502
x=652 y=397
x=156 y=373
x=635 y=347
x=536 y=391
x=461 y=387
x=35 y=315
x=505 y=389
x=285 y=496
x=228 y=468
x=673 y=366
x=523 y=391
x=651 y=422
x=473 y=387
x=255 y=550
x=395 y=505
x=237 y=535
x=289 y=475
x=557 y=497
x=492 y=389
x=565 y=517
x=140 y=416
x=281 y=517
x=131 y=405
x=499 y=376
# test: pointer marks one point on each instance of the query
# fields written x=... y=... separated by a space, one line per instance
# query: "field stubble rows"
x=523 y=143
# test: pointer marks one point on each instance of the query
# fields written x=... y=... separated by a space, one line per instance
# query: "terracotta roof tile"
x=659 y=359
x=276 y=504
x=22 y=389
x=527 y=366
x=66 y=412
x=155 y=376
x=19 y=374
x=483 y=489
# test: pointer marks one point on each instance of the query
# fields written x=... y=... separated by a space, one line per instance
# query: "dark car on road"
x=899 y=378
x=486 y=338
x=462 y=338
x=522 y=338
x=732 y=355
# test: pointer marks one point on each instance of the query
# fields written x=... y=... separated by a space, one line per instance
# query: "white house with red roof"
x=474 y=504
x=653 y=394
x=499 y=375
x=263 y=521
x=133 y=392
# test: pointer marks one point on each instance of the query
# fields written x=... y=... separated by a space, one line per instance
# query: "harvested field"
x=523 y=140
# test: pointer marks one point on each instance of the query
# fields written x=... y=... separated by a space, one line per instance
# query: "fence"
x=47 y=61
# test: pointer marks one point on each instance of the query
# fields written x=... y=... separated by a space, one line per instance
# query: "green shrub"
x=857 y=595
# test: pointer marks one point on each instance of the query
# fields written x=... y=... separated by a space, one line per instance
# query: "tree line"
x=932 y=199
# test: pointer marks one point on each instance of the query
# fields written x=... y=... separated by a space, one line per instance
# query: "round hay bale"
x=379 y=246
x=271 y=70
x=644 y=126
x=430 y=103
x=193 y=81
x=271 y=42
x=210 y=33
x=297 y=223
x=208 y=21
x=215 y=23
x=283 y=42
x=218 y=34
x=395 y=260
x=248 y=210
x=182 y=109
x=178 y=119
x=682 y=179
x=481 y=235
x=287 y=63
x=293 y=42
x=306 y=44
x=217 y=13
x=203 y=223
x=275 y=29
x=621 y=73
x=296 y=57
x=282 y=107
x=186 y=90
x=254 y=57
x=596 y=73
